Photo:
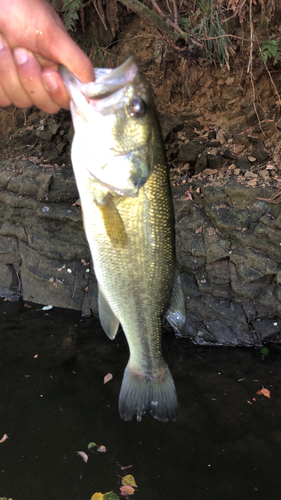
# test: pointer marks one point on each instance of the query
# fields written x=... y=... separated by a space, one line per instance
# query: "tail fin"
x=141 y=393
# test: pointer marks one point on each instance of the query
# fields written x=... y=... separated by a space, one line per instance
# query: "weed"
x=210 y=29
x=271 y=49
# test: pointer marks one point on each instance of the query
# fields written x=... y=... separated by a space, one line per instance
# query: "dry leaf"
x=27 y=306
x=107 y=378
x=83 y=455
x=4 y=438
x=97 y=496
x=264 y=392
x=102 y=449
x=129 y=480
x=127 y=490
x=189 y=195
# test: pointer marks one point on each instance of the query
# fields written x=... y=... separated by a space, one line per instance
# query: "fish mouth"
x=107 y=81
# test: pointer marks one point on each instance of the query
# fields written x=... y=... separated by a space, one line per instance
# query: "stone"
x=190 y=152
x=243 y=163
x=201 y=163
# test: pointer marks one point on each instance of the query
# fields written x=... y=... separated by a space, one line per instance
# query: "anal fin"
x=176 y=314
x=108 y=320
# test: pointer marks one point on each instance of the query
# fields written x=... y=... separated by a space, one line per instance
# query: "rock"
x=190 y=152
x=201 y=163
x=243 y=163
x=238 y=148
x=215 y=161
x=260 y=154
x=228 y=155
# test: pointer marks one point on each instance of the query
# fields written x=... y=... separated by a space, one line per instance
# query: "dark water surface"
x=52 y=405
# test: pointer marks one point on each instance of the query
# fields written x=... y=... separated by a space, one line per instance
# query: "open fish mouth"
x=107 y=81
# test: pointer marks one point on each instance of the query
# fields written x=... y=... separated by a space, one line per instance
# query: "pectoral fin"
x=176 y=314
x=108 y=320
x=113 y=223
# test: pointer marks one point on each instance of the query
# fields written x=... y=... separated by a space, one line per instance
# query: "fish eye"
x=137 y=107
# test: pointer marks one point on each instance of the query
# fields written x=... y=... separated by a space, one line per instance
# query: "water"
x=53 y=403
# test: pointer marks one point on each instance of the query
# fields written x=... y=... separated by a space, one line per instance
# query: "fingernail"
x=2 y=43
x=50 y=82
x=21 y=56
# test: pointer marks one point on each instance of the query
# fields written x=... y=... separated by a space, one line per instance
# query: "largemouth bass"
x=120 y=169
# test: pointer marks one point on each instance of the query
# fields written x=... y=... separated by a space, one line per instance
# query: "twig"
x=153 y=18
x=175 y=13
x=275 y=198
x=251 y=48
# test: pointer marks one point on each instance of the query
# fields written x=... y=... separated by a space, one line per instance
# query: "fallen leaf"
x=83 y=455
x=251 y=158
x=102 y=449
x=198 y=190
x=127 y=490
x=220 y=137
x=4 y=438
x=123 y=467
x=77 y=202
x=27 y=306
x=107 y=378
x=91 y=445
x=85 y=263
x=189 y=195
x=129 y=480
x=111 y=496
x=97 y=496
x=264 y=392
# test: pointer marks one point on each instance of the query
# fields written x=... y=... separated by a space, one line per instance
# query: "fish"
x=121 y=172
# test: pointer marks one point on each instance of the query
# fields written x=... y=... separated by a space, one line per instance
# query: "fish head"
x=113 y=119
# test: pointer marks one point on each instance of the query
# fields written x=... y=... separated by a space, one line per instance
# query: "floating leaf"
x=264 y=352
x=83 y=455
x=102 y=449
x=123 y=467
x=4 y=438
x=92 y=445
x=264 y=392
x=97 y=496
x=127 y=490
x=129 y=480
x=111 y=496
x=107 y=378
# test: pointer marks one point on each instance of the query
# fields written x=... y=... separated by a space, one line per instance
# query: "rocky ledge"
x=228 y=240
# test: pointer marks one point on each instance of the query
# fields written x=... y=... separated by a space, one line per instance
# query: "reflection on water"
x=53 y=403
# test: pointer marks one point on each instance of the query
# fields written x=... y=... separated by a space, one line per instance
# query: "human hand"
x=33 y=41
